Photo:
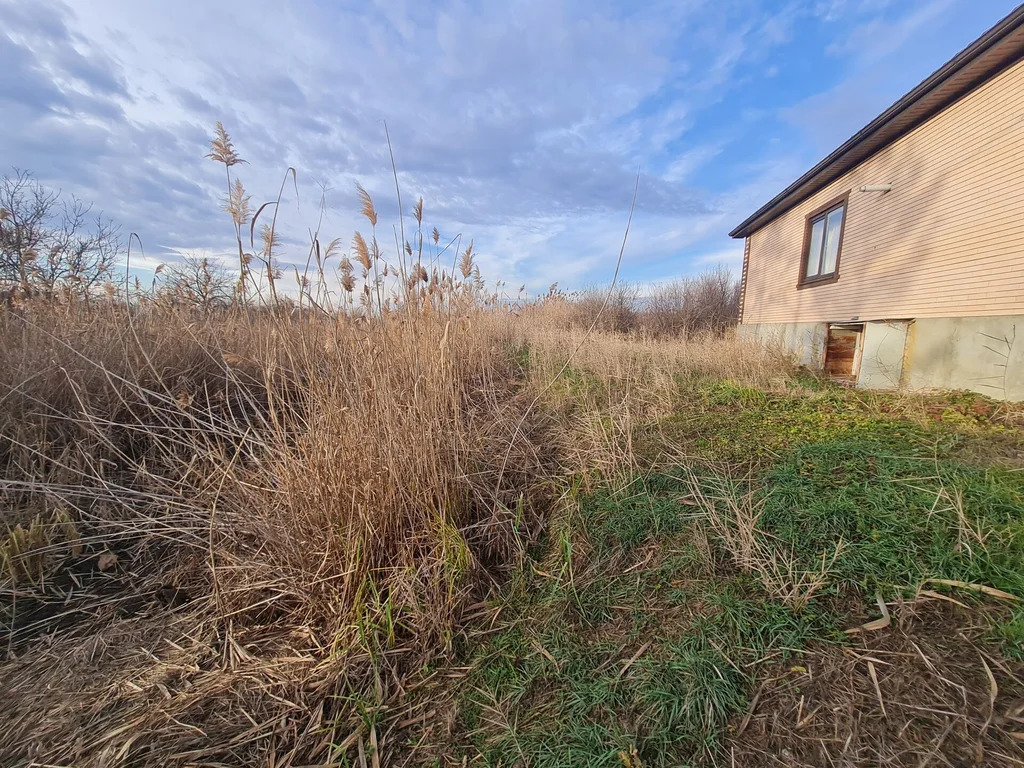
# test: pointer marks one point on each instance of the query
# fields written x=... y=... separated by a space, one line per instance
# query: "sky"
x=522 y=124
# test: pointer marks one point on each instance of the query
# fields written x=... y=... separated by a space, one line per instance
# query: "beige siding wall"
x=947 y=241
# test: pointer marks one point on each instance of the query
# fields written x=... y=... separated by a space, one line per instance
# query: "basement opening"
x=842 y=350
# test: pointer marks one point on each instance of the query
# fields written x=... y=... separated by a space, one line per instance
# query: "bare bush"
x=693 y=306
x=199 y=282
x=614 y=310
x=707 y=303
x=48 y=242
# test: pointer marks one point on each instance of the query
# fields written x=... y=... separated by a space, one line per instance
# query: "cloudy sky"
x=521 y=123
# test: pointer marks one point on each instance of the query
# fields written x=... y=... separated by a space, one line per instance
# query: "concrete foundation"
x=883 y=345
x=983 y=354
x=804 y=340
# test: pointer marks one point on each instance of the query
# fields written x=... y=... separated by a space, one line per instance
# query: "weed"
x=640 y=655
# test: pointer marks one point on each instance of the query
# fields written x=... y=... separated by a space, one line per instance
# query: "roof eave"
x=818 y=177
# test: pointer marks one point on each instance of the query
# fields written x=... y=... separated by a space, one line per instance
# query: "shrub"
x=707 y=303
x=47 y=243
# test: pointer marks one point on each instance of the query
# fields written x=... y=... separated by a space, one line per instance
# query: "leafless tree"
x=49 y=242
x=199 y=282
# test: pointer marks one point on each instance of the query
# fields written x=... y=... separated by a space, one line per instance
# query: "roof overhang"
x=999 y=48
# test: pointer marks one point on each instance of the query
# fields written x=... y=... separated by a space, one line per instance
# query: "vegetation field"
x=807 y=576
x=392 y=515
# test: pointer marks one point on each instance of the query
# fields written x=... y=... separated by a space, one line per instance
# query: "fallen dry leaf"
x=871 y=626
x=106 y=560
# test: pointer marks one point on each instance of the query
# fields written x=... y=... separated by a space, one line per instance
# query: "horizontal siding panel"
x=908 y=297
x=947 y=241
x=955 y=121
x=974 y=296
x=840 y=295
x=897 y=217
x=968 y=263
x=995 y=227
x=882 y=275
x=1002 y=120
x=979 y=148
x=938 y=308
x=980 y=250
x=902 y=207
x=910 y=313
x=909 y=203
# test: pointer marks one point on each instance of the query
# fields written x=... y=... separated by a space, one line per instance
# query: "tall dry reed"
x=235 y=522
x=232 y=532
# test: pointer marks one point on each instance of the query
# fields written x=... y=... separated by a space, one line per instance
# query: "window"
x=823 y=242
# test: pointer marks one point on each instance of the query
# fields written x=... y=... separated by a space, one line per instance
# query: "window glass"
x=833 y=226
x=814 y=247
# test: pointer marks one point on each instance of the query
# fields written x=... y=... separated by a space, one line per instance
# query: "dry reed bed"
x=271 y=518
x=240 y=530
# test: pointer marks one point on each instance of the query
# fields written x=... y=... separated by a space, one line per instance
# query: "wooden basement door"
x=842 y=346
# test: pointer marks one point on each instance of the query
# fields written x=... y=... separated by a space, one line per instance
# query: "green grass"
x=555 y=687
x=632 y=631
x=568 y=701
x=897 y=515
x=618 y=520
x=723 y=422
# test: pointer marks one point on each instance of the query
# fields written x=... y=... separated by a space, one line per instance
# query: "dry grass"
x=296 y=506
x=915 y=695
x=733 y=516
x=655 y=364
x=235 y=523
x=242 y=529
x=614 y=383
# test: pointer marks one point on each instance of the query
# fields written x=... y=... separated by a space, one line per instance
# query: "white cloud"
x=880 y=37
x=521 y=124
x=691 y=160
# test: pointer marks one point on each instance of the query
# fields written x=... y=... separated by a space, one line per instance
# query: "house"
x=898 y=260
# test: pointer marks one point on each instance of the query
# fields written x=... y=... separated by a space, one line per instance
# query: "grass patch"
x=637 y=635
x=745 y=427
x=619 y=520
x=902 y=518
x=604 y=661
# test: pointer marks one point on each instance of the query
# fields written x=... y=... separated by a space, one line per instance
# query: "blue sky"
x=522 y=124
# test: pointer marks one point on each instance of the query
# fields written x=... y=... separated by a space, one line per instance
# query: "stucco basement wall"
x=982 y=354
x=805 y=341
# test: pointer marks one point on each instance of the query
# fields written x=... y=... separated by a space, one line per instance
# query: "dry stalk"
x=733 y=517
